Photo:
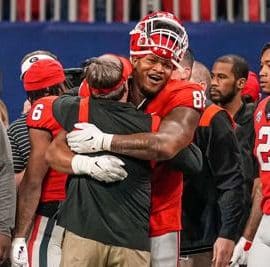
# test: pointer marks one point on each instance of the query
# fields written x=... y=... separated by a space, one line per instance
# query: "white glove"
x=105 y=168
x=18 y=254
x=240 y=252
x=88 y=139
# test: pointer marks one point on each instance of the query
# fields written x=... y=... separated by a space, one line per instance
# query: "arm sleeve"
x=189 y=160
x=7 y=186
x=225 y=166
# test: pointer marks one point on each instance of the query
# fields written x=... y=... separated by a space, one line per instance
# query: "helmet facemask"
x=161 y=35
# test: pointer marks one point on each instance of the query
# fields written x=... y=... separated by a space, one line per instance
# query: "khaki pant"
x=198 y=260
x=81 y=252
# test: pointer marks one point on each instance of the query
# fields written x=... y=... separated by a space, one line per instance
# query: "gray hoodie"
x=7 y=185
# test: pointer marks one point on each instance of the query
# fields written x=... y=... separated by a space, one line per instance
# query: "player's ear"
x=241 y=82
x=134 y=61
x=203 y=84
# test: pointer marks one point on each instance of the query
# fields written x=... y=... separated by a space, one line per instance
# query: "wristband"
x=21 y=239
x=247 y=245
x=107 y=142
x=76 y=162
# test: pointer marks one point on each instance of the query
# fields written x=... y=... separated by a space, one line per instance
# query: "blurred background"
x=78 y=29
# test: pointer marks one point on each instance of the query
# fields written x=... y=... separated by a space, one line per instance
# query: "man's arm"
x=59 y=155
x=30 y=188
x=18 y=177
x=255 y=213
x=7 y=195
x=105 y=168
x=189 y=160
x=241 y=250
x=175 y=133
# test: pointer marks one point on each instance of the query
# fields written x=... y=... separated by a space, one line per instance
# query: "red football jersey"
x=41 y=116
x=262 y=150
x=167 y=185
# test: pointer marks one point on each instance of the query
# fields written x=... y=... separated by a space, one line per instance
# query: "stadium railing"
x=128 y=10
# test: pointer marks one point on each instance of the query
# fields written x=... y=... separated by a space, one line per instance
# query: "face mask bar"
x=166 y=39
x=166 y=29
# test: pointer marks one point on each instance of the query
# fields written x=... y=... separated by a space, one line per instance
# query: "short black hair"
x=240 y=66
x=34 y=95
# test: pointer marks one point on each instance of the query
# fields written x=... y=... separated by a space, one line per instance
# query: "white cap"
x=29 y=61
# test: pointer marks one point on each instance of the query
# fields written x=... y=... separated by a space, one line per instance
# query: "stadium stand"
x=129 y=10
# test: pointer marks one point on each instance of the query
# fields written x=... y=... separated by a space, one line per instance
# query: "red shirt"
x=262 y=151
x=41 y=117
x=167 y=185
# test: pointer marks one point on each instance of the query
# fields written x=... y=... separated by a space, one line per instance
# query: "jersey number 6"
x=36 y=114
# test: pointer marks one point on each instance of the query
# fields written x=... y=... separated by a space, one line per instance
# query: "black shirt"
x=213 y=199
x=115 y=213
x=246 y=136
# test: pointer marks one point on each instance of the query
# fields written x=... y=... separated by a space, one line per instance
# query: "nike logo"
x=96 y=163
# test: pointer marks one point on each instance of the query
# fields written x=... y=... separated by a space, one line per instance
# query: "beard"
x=225 y=99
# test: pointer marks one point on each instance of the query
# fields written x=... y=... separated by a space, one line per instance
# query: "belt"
x=48 y=209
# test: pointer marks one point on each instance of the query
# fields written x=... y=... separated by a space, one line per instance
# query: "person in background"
x=251 y=91
x=19 y=141
x=18 y=130
x=212 y=199
x=41 y=188
x=184 y=73
x=259 y=254
x=4 y=114
x=229 y=77
x=201 y=75
x=7 y=195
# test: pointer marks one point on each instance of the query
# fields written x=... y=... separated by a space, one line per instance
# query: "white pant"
x=165 y=250
x=259 y=255
x=44 y=243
